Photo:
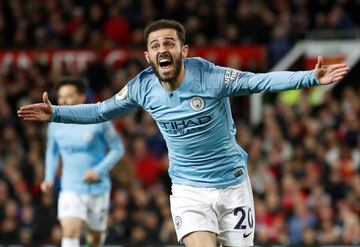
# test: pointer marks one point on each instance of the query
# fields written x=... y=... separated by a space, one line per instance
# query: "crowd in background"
x=113 y=23
x=304 y=159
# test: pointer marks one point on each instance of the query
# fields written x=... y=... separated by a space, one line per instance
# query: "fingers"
x=89 y=180
x=26 y=110
x=341 y=69
x=338 y=76
x=46 y=98
x=26 y=113
x=332 y=73
x=46 y=187
x=30 y=107
x=337 y=66
x=29 y=114
x=87 y=177
x=319 y=63
x=339 y=72
x=337 y=79
x=90 y=177
x=29 y=118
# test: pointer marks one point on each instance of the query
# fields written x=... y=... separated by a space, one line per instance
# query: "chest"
x=164 y=106
x=72 y=135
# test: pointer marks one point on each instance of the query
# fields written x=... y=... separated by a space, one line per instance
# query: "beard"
x=168 y=76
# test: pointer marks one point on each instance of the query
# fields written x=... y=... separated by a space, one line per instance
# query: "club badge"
x=178 y=222
x=197 y=103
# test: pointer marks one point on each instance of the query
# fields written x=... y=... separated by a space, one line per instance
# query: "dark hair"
x=163 y=24
x=78 y=83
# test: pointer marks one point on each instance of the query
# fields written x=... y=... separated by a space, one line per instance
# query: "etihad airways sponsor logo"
x=182 y=124
x=184 y=127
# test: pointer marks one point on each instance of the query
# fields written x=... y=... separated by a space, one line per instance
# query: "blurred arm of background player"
x=52 y=159
x=115 y=151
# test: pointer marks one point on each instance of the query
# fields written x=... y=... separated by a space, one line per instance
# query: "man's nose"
x=163 y=54
x=162 y=49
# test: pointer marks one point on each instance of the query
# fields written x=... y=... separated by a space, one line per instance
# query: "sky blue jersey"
x=195 y=119
x=82 y=147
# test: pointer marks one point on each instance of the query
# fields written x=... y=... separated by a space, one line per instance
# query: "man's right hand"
x=37 y=112
x=46 y=186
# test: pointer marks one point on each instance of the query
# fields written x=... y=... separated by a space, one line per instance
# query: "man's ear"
x=146 y=54
x=185 y=51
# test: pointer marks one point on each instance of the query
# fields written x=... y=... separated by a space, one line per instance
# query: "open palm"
x=37 y=112
x=327 y=74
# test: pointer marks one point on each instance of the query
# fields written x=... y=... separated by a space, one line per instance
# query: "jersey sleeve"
x=52 y=155
x=224 y=82
x=115 y=146
x=118 y=105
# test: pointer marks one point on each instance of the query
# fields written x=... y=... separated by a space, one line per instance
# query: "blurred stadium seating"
x=304 y=151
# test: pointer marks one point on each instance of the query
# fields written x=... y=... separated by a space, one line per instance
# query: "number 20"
x=250 y=222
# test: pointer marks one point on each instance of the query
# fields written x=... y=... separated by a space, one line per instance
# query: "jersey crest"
x=197 y=103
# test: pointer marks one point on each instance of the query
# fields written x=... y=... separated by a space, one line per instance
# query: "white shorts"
x=228 y=212
x=93 y=210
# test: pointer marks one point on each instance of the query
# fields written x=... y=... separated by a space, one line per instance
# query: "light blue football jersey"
x=82 y=147
x=195 y=119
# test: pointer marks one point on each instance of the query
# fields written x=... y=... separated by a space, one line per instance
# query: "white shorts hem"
x=62 y=216
x=242 y=244
x=183 y=234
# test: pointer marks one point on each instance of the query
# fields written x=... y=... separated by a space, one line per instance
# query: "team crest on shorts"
x=122 y=94
x=178 y=222
x=197 y=103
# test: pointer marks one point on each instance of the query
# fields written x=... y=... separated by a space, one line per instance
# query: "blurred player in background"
x=88 y=152
x=189 y=99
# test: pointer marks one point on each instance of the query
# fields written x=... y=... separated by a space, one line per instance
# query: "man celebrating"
x=189 y=99
x=88 y=152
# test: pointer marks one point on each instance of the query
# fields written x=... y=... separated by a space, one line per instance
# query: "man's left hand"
x=327 y=74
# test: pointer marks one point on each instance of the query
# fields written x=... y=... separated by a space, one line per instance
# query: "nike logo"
x=153 y=108
x=247 y=235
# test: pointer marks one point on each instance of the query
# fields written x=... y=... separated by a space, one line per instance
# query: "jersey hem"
x=210 y=185
x=96 y=193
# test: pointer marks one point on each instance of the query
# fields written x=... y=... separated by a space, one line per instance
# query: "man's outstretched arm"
x=285 y=80
x=230 y=82
x=81 y=114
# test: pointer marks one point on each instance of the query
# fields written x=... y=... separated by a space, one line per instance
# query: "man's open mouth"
x=165 y=63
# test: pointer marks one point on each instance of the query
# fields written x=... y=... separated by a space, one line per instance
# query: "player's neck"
x=174 y=84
